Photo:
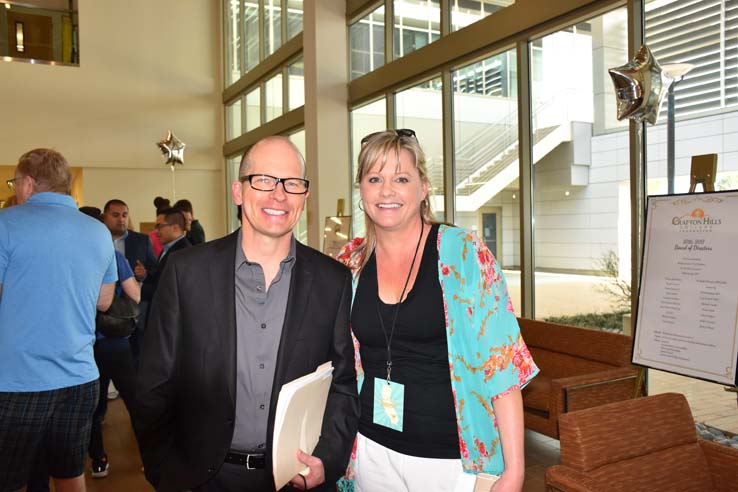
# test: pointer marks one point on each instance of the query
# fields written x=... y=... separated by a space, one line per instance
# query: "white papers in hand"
x=298 y=420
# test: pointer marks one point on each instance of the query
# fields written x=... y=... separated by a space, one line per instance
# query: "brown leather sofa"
x=644 y=445
x=580 y=368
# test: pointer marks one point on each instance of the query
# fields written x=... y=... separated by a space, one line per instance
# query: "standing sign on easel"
x=687 y=321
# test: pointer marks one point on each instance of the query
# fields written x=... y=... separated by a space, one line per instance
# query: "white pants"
x=379 y=469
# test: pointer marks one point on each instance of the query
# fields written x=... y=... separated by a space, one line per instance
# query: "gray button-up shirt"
x=260 y=315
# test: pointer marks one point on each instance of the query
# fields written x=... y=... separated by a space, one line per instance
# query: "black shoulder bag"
x=120 y=319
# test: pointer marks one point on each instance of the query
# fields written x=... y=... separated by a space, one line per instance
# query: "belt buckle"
x=248 y=462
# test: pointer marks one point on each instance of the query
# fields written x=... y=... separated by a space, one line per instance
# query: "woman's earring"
x=361 y=202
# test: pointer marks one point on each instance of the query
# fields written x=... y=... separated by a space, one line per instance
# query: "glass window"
x=486 y=159
x=253 y=109
x=465 y=12
x=272 y=26
x=273 y=97
x=296 y=84
x=705 y=115
x=366 y=119
x=234 y=116
x=581 y=176
x=233 y=42
x=417 y=23
x=366 y=43
x=251 y=34
x=301 y=228
x=294 y=18
x=420 y=108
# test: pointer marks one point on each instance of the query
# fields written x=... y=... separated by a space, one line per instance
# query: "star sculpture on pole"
x=172 y=148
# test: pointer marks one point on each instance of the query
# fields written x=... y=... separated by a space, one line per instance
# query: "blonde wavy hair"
x=385 y=147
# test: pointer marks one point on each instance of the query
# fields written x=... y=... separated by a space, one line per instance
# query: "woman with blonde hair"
x=439 y=355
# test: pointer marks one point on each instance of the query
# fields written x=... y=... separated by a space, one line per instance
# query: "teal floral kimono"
x=487 y=357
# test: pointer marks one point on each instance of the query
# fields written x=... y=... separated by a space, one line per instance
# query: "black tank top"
x=419 y=360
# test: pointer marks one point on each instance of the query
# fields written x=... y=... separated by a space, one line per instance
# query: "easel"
x=702 y=171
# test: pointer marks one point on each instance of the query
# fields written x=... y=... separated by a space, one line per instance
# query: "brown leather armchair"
x=644 y=445
x=580 y=368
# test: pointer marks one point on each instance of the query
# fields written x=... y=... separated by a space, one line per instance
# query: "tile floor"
x=125 y=463
x=709 y=403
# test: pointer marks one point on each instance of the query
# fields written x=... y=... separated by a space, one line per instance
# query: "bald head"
x=264 y=147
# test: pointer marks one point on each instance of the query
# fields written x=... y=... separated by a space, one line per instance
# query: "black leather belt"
x=250 y=461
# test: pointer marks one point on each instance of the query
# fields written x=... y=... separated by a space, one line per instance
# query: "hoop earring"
x=361 y=202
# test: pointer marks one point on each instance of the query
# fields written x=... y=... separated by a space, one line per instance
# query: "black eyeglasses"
x=159 y=227
x=264 y=182
x=11 y=182
x=400 y=132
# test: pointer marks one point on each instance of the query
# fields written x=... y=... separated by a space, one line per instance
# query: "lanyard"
x=388 y=338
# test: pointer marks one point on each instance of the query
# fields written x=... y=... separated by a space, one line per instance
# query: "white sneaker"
x=112 y=391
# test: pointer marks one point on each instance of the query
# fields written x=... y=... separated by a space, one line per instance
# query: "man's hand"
x=314 y=477
x=139 y=271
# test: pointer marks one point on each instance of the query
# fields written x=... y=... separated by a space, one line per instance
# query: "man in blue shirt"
x=57 y=266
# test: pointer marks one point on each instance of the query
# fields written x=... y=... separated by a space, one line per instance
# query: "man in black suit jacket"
x=170 y=227
x=136 y=246
x=233 y=320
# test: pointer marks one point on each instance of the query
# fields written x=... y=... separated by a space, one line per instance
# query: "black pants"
x=114 y=361
x=236 y=478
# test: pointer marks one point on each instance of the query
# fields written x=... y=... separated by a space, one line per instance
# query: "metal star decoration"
x=173 y=148
x=640 y=86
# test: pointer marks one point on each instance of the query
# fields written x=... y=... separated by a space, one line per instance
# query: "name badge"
x=389 y=403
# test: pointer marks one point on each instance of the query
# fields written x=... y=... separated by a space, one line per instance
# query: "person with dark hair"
x=232 y=321
x=113 y=357
x=93 y=212
x=139 y=252
x=170 y=229
x=56 y=267
x=135 y=246
x=160 y=203
x=195 y=232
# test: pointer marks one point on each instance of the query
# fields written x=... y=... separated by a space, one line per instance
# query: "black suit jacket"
x=139 y=248
x=187 y=379
x=151 y=281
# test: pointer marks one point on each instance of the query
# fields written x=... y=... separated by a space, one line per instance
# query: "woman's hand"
x=509 y=482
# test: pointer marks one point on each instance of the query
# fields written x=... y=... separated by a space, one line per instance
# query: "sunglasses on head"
x=400 y=132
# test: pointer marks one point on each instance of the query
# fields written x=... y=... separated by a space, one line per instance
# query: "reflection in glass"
x=486 y=159
x=251 y=34
x=233 y=43
x=296 y=83
x=417 y=23
x=692 y=32
x=420 y=108
x=273 y=97
x=272 y=26
x=48 y=34
x=294 y=18
x=234 y=116
x=301 y=229
x=581 y=180
x=465 y=12
x=366 y=43
x=253 y=109
x=366 y=119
